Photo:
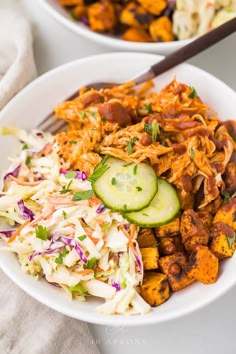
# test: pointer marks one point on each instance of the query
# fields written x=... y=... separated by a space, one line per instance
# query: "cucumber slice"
x=125 y=187
x=163 y=208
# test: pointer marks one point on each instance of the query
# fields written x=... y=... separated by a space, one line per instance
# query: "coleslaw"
x=61 y=232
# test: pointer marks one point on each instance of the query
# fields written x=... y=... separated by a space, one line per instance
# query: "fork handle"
x=188 y=51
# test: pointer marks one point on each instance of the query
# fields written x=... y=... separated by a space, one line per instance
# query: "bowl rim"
x=111 y=41
x=110 y=320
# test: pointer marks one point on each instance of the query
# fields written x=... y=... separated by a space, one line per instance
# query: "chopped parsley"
x=113 y=181
x=128 y=164
x=139 y=189
x=64 y=215
x=41 y=232
x=28 y=160
x=73 y=142
x=226 y=196
x=67 y=188
x=193 y=93
x=155 y=131
x=79 y=288
x=148 y=127
x=130 y=144
x=148 y=108
x=25 y=147
x=83 y=195
x=99 y=170
x=192 y=153
x=82 y=238
x=90 y=264
x=230 y=240
x=103 y=119
x=93 y=114
x=70 y=174
x=135 y=170
x=82 y=114
x=59 y=259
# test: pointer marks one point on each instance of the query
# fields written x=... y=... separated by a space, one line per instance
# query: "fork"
x=53 y=125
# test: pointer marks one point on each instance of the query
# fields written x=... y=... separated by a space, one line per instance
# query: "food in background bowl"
x=106 y=219
x=151 y=21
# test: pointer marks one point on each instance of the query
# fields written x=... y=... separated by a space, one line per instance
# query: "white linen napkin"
x=26 y=326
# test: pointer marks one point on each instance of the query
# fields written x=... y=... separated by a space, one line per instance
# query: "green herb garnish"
x=193 y=93
x=148 y=108
x=135 y=169
x=155 y=131
x=25 y=147
x=82 y=238
x=82 y=114
x=90 y=264
x=230 y=240
x=73 y=142
x=128 y=164
x=70 y=174
x=148 y=127
x=139 y=189
x=83 y=195
x=59 y=259
x=28 y=160
x=125 y=206
x=41 y=232
x=67 y=188
x=233 y=136
x=99 y=170
x=192 y=153
x=226 y=196
x=93 y=114
x=144 y=214
x=103 y=119
x=78 y=288
x=64 y=215
x=130 y=144
x=105 y=226
x=113 y=181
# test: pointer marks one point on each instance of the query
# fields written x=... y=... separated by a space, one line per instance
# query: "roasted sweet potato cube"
x=170 y=229
x=161 y=30
x=71 y=2
x=155 y=288
x=203 y=265
x=146 y=238
x=155 y=7
x=101 y=16
x=134 y=15
x=206 y=218
x=214 y=206
x=174 y=267
x=230 y=176
x=227 y=214
x=223 y=240
x=150 y=258
x=136 y=35
x=192 y=230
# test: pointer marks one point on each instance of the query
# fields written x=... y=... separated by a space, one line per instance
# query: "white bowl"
x=54 y=8
x=37 y=100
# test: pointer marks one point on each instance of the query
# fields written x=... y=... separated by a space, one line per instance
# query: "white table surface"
x=208 y=331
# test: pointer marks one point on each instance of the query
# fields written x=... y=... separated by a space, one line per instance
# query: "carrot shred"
x=85 y=271
x=16 y=233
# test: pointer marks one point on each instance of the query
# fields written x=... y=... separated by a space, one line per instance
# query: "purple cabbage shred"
x=116 y=285
x=13 y=173
x=25 y=212
x=7 y=233
x=100 y=209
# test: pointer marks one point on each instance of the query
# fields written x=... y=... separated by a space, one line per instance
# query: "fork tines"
x=52 y=124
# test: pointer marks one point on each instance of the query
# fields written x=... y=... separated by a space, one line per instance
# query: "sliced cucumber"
x=163 y=208
x=125 y=187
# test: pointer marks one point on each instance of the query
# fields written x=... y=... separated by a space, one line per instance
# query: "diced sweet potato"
x=214 y=206
x=71 y=2
x=161 y=30
x=136 y=35
x=223 y=240
x=227 y=214
x=155 y=288
x=174 y=267
x=79 y=11
x=205 y=217
x=150 y=258
x=203 y=265
x=192 y=230
x=136 y=16
x=171 y=229
x=230 y=176
x=146 y=238
x=101 y=16
x=155 y=7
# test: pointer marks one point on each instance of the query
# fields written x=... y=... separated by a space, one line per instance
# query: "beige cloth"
x=26 y=326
